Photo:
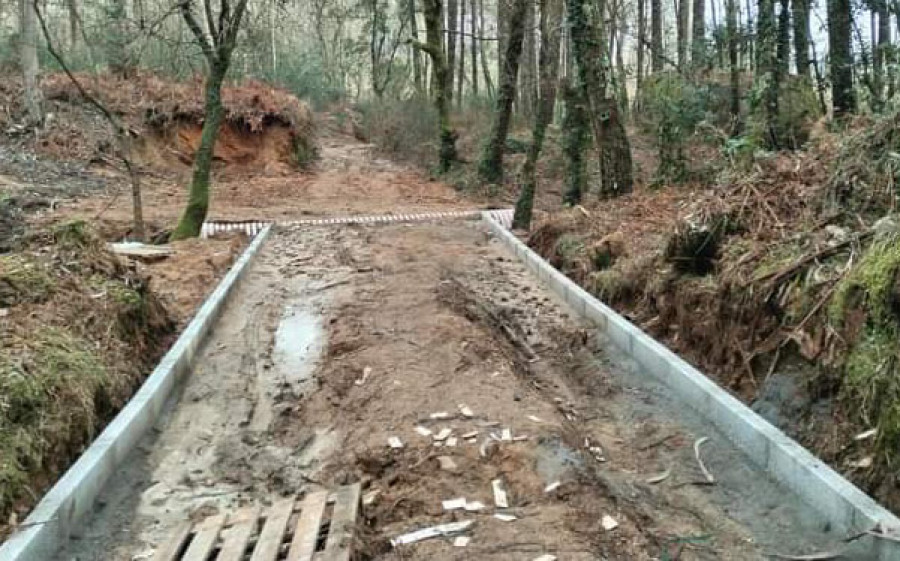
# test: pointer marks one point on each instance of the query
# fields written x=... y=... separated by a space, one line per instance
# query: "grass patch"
x=49 y=385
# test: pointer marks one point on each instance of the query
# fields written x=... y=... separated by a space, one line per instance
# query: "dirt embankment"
x=265 y=128
x=79 y=332
x=780 y=281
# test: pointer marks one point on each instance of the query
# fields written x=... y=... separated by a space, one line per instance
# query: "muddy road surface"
x=341 y=339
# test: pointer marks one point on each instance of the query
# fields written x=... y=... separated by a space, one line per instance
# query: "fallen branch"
x=778 y=277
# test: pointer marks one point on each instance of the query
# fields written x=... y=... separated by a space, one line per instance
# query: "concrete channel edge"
x=845 y=506
x=65 y=505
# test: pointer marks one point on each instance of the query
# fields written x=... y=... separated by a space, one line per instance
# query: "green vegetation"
x=872 y=367
x=49 y=386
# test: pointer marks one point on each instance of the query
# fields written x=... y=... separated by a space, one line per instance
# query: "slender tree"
x=490 y=168
x=32 y=97
x=474 y=45
x=452 y=15
x=641 y=48
x=681 y=30
x=656 y=36
x=843 y=100
x=766 y=69
x=609 y=132
x=462 y=52
x=217 y=48
x=548 y=64
x=434 y=47
x=121 y=134
x=731 y=24
x=882 y=49
x=528 y=68
x=783 y=46
x=800 y=20
x=418 y=73
x=698 y=33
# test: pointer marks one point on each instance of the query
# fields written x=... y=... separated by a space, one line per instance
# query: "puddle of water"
x=298 y=343
x=299 y=340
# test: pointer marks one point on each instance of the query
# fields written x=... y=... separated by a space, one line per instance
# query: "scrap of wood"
x=500 y=497
x=140 y=251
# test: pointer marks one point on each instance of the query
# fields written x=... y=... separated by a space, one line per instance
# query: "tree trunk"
x=656 y=41
x=414 y=52
x=488 y=83
x=698 y=32
x=800 y=17
x=766 y=67
x=783 y=47
x=882 y=50
x=681 y=31
x=734 y=73
x=527 y=74
x=576 y=138
x=609 y=132
x=73 y=23
x=452 y=14
x=841 y=60
x=548 y=63
x=198 y=198
x=621 y=75
x=32 y=98
x=119 y=40
x=462 y=53
x=490 y=168
x=475 y=39
x=433 y=11
x=641 y=48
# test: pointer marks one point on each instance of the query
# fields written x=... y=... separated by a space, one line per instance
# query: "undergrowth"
x=79 y=332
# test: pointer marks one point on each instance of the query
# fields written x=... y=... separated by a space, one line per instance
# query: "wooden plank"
x=340 y=539
x=238 y=535
x=306 y=534
x=205 y=539
x=269 y=543
x=171 y=550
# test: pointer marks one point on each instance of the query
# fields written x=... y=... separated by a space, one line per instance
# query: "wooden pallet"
x=317 y=528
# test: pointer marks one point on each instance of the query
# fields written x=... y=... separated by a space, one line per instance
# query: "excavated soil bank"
x=79 y=332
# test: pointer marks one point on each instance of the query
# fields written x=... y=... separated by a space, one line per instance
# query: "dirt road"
x=341 y=338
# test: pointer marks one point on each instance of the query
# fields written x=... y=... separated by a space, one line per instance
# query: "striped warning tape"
x=253 y=227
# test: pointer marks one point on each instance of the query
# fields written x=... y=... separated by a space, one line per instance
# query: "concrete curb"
x=848 y=509
x=65 y=505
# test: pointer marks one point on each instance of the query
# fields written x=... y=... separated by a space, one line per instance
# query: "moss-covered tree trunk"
x=843 y=100
x=548 y=62
x=681 y=31
x=734 y=70
x=490 y=168
x=217 y=47
x=198 y=198
x=656 y=36
x=609 y=131
x=576 y=138
x=434 y=47
x=767 y=71
x=800 y=21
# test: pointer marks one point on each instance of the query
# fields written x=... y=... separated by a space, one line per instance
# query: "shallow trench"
x=340 y=338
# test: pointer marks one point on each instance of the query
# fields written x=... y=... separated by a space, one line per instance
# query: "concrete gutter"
x=66 y=505
x=849 y=510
